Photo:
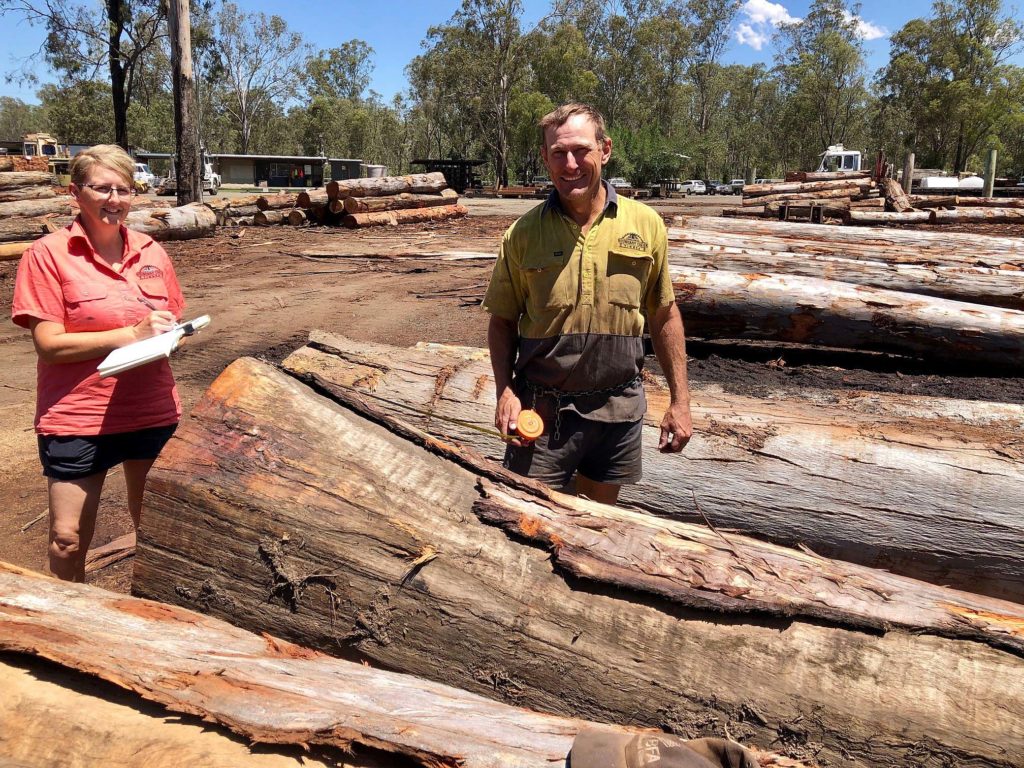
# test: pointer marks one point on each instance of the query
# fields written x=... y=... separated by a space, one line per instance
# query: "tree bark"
x=189 y=162
x=21 y=228
x=896 y=197
x=269 y=217
x=416 y=183
x=115 y=27
x=13 y=180
x=868 y=202
x=6 y=164
x=804 y=176
x=400 y=201
x=980 y=215
x=42 y=207
x=224 y=215
x=411 y=216
x=182 y=223
x=961 y=201
x=867 y=218
x=30 y=192
x=310 y=198
x=297 y=217
x=799 y=187
x=808 y=310
x=933 y=201
x=280 y=200
x=283 y=510
x=848 y=191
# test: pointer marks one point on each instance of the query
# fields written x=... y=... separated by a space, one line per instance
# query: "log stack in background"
x=836 y=193
x=355 y=203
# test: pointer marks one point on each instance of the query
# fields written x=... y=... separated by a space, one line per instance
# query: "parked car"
x=693 y=187
x=737 y=186
x=541 y=181
x=619 y=183
x=709 y=186
x=145 y=177
x=723 y=188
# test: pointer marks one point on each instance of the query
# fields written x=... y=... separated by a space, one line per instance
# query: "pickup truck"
x=211 y=181
x=737 y=186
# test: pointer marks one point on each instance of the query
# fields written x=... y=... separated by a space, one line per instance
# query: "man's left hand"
x=676 y=428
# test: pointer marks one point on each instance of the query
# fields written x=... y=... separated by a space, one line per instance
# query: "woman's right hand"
x=156 y=322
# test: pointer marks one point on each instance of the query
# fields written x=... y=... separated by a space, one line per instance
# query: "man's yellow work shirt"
x=579 y=301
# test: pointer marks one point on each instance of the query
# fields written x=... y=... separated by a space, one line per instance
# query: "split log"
x=267 y=689
x=927 y=487
x=185 y=222
x=6 y=164
x=281 y=509
x=896 y=197
x=416 y=183
x=979 y=215
x=410 y=216
x=788 y=187
x=393 y=202
x=297 y=217
x=976 y=285
x=280 y=200
x=848 y=190
x=38 y=207
x=270 y=217
x=805 y=176
x=13 y=251
x=808 y=310
x=16 y=179
x=311 y=198
x=867 y=218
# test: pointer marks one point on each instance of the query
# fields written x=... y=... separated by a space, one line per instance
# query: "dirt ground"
x=266 y=288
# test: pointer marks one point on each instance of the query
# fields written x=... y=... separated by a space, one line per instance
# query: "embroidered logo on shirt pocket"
x=627 y=276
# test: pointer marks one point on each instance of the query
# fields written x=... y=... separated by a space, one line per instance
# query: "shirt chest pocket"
x=85 y=307
x=549 y=282
x=628 y=272
x=155 y=292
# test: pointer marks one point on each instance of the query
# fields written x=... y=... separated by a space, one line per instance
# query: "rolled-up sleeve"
x=37 y=289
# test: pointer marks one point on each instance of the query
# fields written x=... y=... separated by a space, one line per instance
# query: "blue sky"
x=396 y=28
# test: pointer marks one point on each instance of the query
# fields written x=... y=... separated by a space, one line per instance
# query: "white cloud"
x=865 y=29
x=760 y=17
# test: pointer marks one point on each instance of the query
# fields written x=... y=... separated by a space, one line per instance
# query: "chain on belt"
x=560 y=395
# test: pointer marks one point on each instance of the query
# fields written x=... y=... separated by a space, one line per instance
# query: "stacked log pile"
x=836 y=194
x=354 y=203
x=300 y=510
x=28 y=202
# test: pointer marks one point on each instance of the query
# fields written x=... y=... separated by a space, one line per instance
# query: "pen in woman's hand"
x=148 y=303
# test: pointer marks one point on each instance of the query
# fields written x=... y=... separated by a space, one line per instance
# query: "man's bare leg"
x=73 y=505
x=606 y=493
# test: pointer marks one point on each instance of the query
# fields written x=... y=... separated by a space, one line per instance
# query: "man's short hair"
x=561 y=115
x=107 y=155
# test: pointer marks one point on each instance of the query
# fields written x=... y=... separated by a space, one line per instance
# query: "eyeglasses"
x=107 y=190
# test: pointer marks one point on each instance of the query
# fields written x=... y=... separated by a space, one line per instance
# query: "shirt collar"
x=611 y=197
x=134 y=241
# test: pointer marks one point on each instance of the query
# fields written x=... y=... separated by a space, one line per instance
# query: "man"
x=566 y=328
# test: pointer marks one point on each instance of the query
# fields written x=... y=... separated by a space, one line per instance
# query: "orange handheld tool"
x=529 y=425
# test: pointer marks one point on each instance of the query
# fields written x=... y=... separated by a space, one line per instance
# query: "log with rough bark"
x=21 y=228
x=280 y=200
x=185 y=222
x=868 y=218
x=312 y=198
x=718 y=304
x=988 y=202
x=896 y=197
x=933 y=201
x=849 y=191
x=804 y=176
x=393 y=202
x=926 y=487
x=409 y=216
x=222 y=203
x=16 y=179
x=38 y=207
x=977 y=285
x=798 y=187
x=316 y=518
x=270 y=217
x=6 y=164
x=868 y=202
x=266 y=689
x=416 y=183
x=978 y=215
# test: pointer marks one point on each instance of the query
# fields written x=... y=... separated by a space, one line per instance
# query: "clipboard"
x=149 y=350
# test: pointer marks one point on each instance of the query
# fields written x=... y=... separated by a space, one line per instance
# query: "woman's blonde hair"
x=109 y=156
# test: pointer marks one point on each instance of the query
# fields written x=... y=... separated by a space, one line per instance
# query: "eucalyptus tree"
x=343 y=72
x=18 y=118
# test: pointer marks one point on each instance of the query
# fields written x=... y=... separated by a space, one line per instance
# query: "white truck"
x=211 y=180
x=839 y=158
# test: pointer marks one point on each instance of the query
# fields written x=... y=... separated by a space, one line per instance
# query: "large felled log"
x=266 y=689
x=926 y=487
x=896 y=197
x=808 y=310
x=31 y=192
x=980 y=215
x=416 y=183
x=21 y=228
x=410 y=216
x=239 y=201
x=849 y=191
x=283 y=510
x=16 y=179
x=232 y=212
x=297 y=216
x=933 y=201
x=868 y=202
x=6 y=164
x=393 y=202
x=961 y=201
x=270 y=217
x=38 y=207
x=312 y=198
x=182 y=223
x=280 y=200
x=804 y=176
x=979 y=285
x=790 y=187
x=865 y=218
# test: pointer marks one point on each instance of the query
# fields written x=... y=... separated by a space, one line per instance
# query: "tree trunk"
x=804 y=176
x=241 y=201
x=269 y=217
x=30 y=192
x=987 y=202
x=189 y=165
x=43 y=207
x=808 y=310
x=182 y=223
x=233 y=213
x=14 y=180
x=868 y=218
x=21 y=228
x=284 y=511
x=896 y=197
x=266 y=689
x=411 y=216
x=976 y=285
x=868 y=202
x=846 y=191
x=393 y=202
x=280 y=200
x=115 y=26
x=297 y=217
x=798 y=187
x=980 y=215
x=933 y=201
x=308 y=199
x=417 y=183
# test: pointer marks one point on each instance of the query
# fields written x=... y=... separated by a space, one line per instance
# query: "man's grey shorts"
x=605 y=453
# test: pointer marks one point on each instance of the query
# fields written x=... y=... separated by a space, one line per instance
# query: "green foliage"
x=342 y=72
x=79 y=114
x=18 y=118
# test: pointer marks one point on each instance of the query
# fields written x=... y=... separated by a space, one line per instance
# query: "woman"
x=84 y=291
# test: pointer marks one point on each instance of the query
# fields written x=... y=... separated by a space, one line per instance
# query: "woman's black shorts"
x=69 y=457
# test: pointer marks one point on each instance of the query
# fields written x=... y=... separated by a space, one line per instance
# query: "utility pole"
x=189 y=176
